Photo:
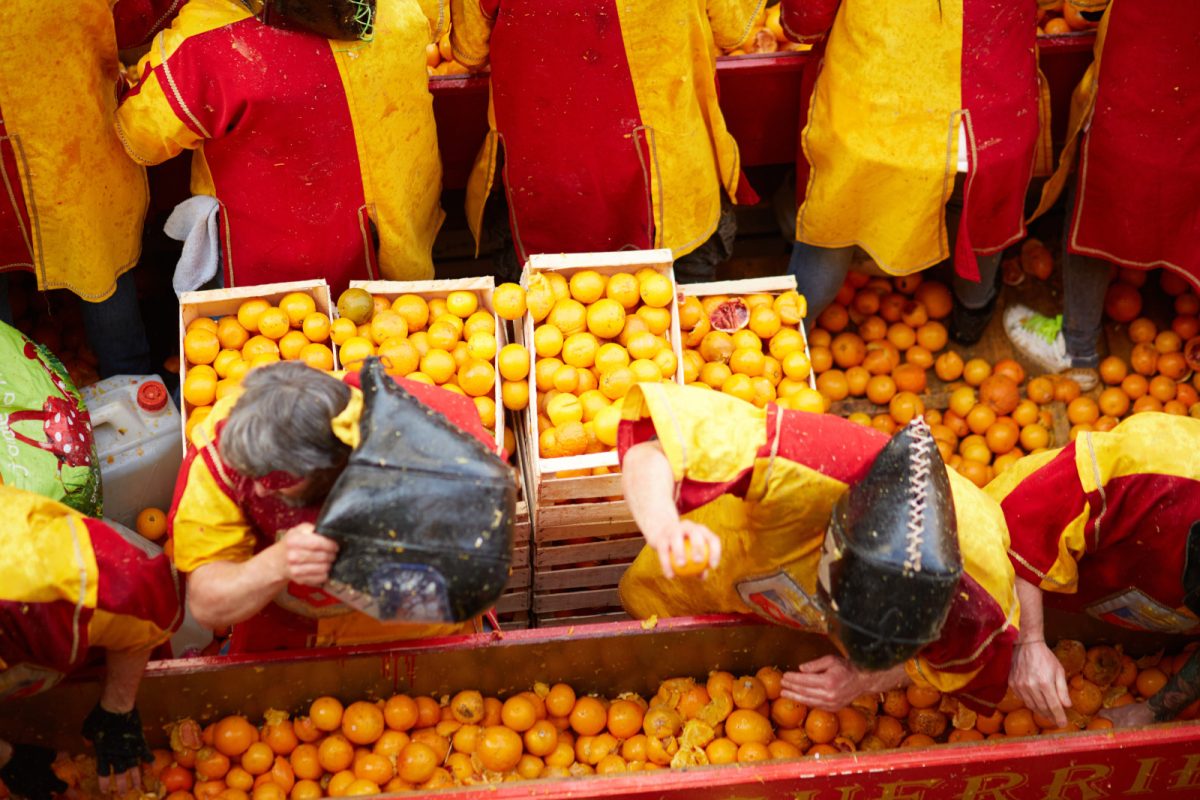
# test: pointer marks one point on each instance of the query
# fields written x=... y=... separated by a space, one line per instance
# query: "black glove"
x=119 y=741
x=28 y=774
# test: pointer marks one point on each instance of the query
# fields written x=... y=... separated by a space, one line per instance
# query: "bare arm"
x=122 y=675
x=830 y=682
x=223 y=593
x=1036 y=675
x=649 y=487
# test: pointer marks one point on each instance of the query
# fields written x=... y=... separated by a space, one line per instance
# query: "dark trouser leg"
x=819 y=273
x=1085 y=282
x=700 y=265
x=116 y=333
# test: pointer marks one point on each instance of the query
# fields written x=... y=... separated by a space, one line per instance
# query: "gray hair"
x=282 y=422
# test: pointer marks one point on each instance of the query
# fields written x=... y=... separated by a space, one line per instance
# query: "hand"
x=1130 y=716
x=668 y=541
x=28 y=773
x=120 y=748
x=1037 y=677
x=829 y=683
x=307 y=555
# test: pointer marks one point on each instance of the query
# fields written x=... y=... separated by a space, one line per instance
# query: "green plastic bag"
x=46 y=443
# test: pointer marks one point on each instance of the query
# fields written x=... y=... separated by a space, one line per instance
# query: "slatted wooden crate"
x=583 y=534
x=773 y=285
x=481 y=287
x=513 y=606
x=217 y=303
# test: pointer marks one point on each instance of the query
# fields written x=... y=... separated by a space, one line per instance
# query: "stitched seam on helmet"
x=920 y=477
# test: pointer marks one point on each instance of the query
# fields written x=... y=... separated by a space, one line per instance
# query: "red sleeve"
x=806 y=21
x=1038 y=510
x=975 y=639
x=454 y=407
x=133 y=583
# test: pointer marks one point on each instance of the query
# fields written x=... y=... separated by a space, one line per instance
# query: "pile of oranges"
x=408 y=743
x=448 y=341
x=219 y=352
x=766 y=36
x=1058 y=17
x=439 y=57
x=749 y=346
x=881 y=338
x=594 y=337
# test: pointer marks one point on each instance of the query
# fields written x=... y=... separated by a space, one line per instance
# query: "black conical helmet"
x=892 y=561
x=423 y=513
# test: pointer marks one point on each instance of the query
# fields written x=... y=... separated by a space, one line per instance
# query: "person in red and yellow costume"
x=72 y=204
x=919 y=141
x=71 y=586
x=321 y=153
x=819 y=524
x=1135 y=200
x=249 y=493
x=605 y=118
x=1108 y=526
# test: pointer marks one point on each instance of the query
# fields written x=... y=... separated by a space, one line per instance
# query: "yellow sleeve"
x=146 y=123
x=471 y=30
x=710 y=438
x=733 y=20
x=207 y=525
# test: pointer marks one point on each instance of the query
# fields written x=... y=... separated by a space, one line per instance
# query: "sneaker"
x=1039 y=339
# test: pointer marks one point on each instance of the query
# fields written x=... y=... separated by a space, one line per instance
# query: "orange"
x=1020 y=723
x=233 y=735
x=514 y=362
x=297 y=306
x=224 y=362
x=317 y=356
x=388 y=325
x=561 y=698
x=765 y=321
x=749 y=692
x=833 y=385
x=624 y=719
x=509 y=300
x=949 y=366
x=499 y=748
x=905 y=406
x=151 y=523
x=200 y=385
x=796 y=365
x=514 y=395
x=231 y=333
x=615 y=383
x=462 y=303
x=909 y=378
x=335 y=753
x=205 y=323
x=655 y=290
x=747 y=361
x=976 y=371
x=341 y=330
x=258 y=758
x=658 y=320
x=291 y=344
x=587 y=286
x=415 y=310
x=200 y=346
x=1162 y=388
x=569 y=316
x=541 y=739
x=354 y=350
x=475 y=377
x=326 y=713
x=400 y=712
x=623 y=288
x=362 y=723
x=980 y=418
x=438 y=364
x=273 y=323
x=416 y=762
x=249 y=312
x=579 y=350
x=1035 y=436
x=518 y=713
x=588 y=716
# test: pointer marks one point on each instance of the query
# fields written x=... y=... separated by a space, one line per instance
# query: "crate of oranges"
x=224 y=333
x=595 y=324
x=746 y=338
x=443 y=332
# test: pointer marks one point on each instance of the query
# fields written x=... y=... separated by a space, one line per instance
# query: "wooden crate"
x=217 y=303
x=773 y=285
x=513 y=606
x=583 y=534
x=481 y=288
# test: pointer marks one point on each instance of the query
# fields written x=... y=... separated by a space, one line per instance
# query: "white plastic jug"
x=136 y=427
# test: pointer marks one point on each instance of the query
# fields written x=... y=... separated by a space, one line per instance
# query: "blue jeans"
x=1085 y=282
x=821 y=271
x=116 y=333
